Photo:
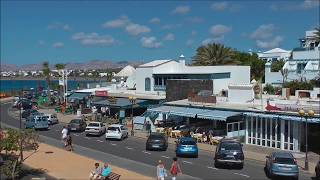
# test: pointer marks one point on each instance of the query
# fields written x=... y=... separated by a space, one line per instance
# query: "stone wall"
x=179 y=89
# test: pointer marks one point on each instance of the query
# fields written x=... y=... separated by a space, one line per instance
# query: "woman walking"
x=175 y=169
x=161 y=171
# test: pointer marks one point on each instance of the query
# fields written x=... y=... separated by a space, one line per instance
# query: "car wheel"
x=241 y=166
x=195 y=156
x=216 y=164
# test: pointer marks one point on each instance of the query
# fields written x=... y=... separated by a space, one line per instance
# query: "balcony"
x=159 y=87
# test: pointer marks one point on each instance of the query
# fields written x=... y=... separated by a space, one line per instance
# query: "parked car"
x=116 y=131
x=157 y=141
x=95 y=128
x=281 y=164
x=186 y=146
x=78 y=125
x=317 y=170
x=24 y=103
x=52 y=118
x=28 y=112
x=37 y=122
x=229 y=152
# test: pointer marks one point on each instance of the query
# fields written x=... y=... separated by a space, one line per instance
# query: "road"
x=131 y=152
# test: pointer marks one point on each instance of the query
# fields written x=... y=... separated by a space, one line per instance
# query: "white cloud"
x=181 y=10
x=268 y=44
x=169 y=37
x=58 y=25
x=193 y=33
x=219 y=30
x=189 y=42
x=150 y=42
x=296 y=5
x=171 y=26
x=122 y=21
x=308 y=4
x=194 y=20
x=212 y=40
x=58 y=45
x=136 y=29
x=263 y=32
x=219 y=6
x=41 y=42
x=94 y=39
x=155 y=20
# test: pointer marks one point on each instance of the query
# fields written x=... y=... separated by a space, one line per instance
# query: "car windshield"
x=156 y=137
x=187 y=142
x=75 y=121
x=113 y=129
x=230 y=146
x=281 y=160
x=94 y=124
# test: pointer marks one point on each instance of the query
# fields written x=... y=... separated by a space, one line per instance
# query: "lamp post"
x=310 y=113
x=132 y=101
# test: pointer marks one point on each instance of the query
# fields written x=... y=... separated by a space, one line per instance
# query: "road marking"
x=165 y=157
x=76 y=134
x=129 y=148
x=57 y=130
x=99 y=141
x=212 y=168
x=242 y=175
x=187 y=162
x=146 y=152
x=113 y=144
x=87 y=137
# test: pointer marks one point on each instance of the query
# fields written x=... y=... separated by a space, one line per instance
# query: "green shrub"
x=297 y=85
x=269 y=88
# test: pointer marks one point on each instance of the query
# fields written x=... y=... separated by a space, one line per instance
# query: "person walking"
x=64 y=133
x=161 y=171
x=69 y=143
x=175 y=169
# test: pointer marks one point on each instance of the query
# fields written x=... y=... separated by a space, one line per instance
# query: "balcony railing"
x=159 y=87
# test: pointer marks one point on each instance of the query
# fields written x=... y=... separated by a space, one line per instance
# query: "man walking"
x=64 y=135
x=175 y=169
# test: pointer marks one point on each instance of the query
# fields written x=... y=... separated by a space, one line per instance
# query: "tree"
x=276 y=66
x=46 y=72
x=213 y=54
x=60 y=67
x=252 y=60
x=317 y=33
x=284 y=73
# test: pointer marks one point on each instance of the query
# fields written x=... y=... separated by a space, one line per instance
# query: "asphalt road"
x=133 y=150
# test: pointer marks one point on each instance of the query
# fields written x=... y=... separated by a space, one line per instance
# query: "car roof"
x=115 y=125
x=282 y=154
x=94 y=122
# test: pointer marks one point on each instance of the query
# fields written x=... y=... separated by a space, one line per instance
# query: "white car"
x=116 y=131
x=52 y=118
x=95 y=128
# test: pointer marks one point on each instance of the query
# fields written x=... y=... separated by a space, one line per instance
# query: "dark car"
x=26 y=113
x=77 y=125
x=281 y=164
x=229 y=152
x=317 y=170
x=24 y=103
x=186 y=146
x=157 y=141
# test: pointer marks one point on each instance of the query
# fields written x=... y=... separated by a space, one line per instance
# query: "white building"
x=275 y=54
x=304 y=64
x=151 y=77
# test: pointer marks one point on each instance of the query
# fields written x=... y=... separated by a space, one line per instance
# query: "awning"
x=120 y=102
x=78 y=95
x=284 y=117
x=211 y=114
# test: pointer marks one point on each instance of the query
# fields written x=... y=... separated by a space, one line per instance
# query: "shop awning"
x=284 y=117
x=211 y=114
x=120 y=103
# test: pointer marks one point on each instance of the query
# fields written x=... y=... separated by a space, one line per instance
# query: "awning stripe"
x=284 y=117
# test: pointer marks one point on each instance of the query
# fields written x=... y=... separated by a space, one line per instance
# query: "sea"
x=14 y=85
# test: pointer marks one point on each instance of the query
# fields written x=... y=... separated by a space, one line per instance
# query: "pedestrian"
x=69 y=143
x=106 y=171
x=175 y=169
x=161 y=171
x=65 y=133
x=103 y=111
x=96 y=173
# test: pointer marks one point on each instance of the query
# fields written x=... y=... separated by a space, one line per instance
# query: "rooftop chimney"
x=182 y=61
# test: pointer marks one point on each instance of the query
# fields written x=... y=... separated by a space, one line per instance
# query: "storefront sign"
x=101 y=93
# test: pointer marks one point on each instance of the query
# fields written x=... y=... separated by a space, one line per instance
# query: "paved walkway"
x=63 y=164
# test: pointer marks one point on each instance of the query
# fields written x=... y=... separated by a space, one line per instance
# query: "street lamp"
x=310 y=113
x=132 y=100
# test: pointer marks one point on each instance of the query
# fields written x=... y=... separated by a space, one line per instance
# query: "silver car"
x=95 y=128
x=52 y=119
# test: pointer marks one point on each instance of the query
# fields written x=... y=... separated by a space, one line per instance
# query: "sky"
x=79 y=31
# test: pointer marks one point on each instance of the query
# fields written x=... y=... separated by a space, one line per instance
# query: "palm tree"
x=60 y=67
x=213 y=54
x=46 y=72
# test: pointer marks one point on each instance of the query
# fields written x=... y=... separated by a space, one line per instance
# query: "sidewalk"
x=63 y=164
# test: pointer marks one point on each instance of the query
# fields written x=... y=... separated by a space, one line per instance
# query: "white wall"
x=311 y=54
x=240 y=95
x=141 y=75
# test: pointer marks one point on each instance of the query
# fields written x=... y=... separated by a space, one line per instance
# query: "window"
x=300 y=67
x=147 y=84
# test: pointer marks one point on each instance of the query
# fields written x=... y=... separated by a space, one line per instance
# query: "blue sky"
x=79 y=31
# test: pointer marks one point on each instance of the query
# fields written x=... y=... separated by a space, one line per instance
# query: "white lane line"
x=242 y=175
x=113 y=144
x=87 y=137
x=76 y=134
x=129 y=148
x=57 y=130
x=212 y=168
x=165 y=157
x=99 y=141
x=146 y=152
x=187 y=162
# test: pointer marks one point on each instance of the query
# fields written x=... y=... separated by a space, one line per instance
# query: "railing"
x=159 y=88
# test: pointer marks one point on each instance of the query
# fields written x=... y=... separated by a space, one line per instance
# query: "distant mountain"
x=93 y=64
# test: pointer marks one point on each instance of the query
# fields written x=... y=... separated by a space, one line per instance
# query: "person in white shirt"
x=103 y=111
x=64 y=134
